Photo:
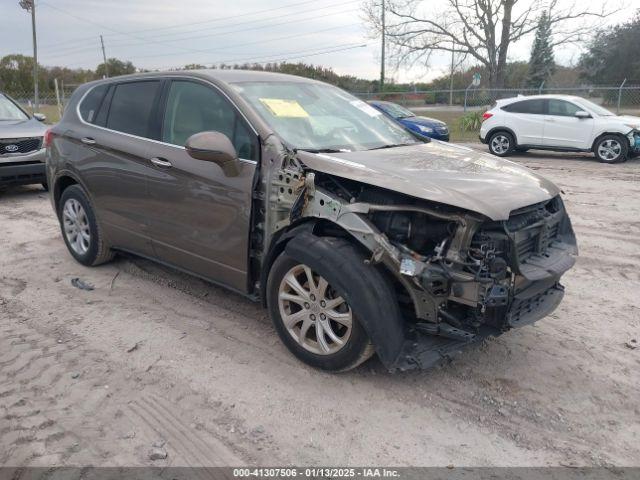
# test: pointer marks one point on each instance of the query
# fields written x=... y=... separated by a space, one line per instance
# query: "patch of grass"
x=51 y=111
x=454 y=119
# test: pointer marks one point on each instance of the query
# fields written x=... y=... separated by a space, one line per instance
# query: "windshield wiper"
x=323 y=150
x=394 y=145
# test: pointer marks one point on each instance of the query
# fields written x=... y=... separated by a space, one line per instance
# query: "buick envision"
x=358 y=237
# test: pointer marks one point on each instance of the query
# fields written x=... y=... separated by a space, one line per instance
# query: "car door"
x=200 y=217
x=116 y=137
x=526 y=119
x=563 y=129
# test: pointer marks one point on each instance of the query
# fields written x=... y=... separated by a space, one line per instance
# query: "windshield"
x=10 y=111
x=395 y=110
x=320 y=117
x=597 y=109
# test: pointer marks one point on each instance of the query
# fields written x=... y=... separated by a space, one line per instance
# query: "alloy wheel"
x=610 y=149
x=317 y=318
x=500 y=144
x=76 y=226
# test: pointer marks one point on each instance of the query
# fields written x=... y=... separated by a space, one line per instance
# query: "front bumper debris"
x=423 y=350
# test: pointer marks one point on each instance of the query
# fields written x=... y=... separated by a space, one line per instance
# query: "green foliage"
x=348 y=82
x=16 y=74
x=470 y=121
x=194 y=66
x=612 y=55
x=116 y=68
x=542 y=64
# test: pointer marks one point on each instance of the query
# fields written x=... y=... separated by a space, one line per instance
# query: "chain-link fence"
x=617 y=99
x=458 y=108
x=49 y=103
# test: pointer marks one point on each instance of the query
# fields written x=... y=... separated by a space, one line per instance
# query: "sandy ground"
x=154 y=361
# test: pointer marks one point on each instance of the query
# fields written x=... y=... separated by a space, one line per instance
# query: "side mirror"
x=214 y=147
x=41 y=117
x=582 y=114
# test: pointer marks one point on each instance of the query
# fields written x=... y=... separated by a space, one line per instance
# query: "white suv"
x=561 y=123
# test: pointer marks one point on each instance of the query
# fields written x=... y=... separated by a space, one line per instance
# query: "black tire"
x=501 y=144
x=606 y=155
x=364 y=289
x=99 y=251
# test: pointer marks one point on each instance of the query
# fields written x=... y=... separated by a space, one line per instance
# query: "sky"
x=160 y=34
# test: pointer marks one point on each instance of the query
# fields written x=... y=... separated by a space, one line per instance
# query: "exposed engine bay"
x=459 y=276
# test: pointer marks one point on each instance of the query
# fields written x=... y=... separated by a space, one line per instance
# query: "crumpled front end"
x=507 y=277
x=460 y=276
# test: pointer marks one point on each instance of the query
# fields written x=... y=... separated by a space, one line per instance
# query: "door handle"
x=160 y=162
x=88 y=140
x=551 y=120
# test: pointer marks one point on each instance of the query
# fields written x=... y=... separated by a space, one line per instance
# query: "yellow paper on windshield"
x=284 y=108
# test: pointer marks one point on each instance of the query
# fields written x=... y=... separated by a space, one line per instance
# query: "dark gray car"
x=358 y=237
x=22 y=152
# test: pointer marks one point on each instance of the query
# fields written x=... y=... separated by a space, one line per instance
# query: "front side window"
x=319 y=117
x=131 y=106
x=562 y=108
x=193 y=108
x=535 y=107
x=91 y=103
x=10 y=111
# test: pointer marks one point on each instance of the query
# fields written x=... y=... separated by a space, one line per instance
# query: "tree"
x=542 y=64
x=481 y=29
x=116 y=67
x=612 y=56
x=16 y=73
x=194 y=66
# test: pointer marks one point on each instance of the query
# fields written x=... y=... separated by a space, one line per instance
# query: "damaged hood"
x=441 y=172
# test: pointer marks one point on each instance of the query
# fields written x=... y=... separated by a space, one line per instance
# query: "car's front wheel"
x=316 y=295
x=80 y=229
x=611 y=149
x=502 y=144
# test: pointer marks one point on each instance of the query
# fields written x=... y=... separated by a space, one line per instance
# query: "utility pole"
x=382 y=50
x=104 y=57
x=453 y=52
x=30 y=6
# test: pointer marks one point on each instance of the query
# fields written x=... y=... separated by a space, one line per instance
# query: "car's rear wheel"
x=80 y=229
x=611 y=149
x=502 y=144
x=313 y=305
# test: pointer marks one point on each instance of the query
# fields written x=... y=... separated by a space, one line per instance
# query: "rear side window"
x=91 y=103
x=131 y=106
x=535 y=107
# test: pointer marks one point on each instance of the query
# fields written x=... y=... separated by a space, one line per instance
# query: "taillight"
x=48 y=136
x=486 y=116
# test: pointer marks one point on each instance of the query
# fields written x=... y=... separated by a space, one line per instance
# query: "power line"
x=109 y=28
x=337 y=4
x=75 y=49
x=213 y=50
x=187 y=24
x=285 y=55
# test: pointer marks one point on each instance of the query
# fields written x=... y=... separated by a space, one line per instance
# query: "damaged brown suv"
x=358 y=237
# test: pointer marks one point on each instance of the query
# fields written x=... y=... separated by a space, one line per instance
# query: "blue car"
x=425 y=126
